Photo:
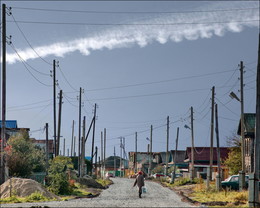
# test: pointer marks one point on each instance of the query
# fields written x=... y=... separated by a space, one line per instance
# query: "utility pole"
x=96 y=161
x=114 y=161
x=242 y=173
x=253 y=196
x=93 y=137
x=64 y=142
x=82 y=172
x=3 y=142
x=102 y=157
x=71 y=153
x=124 y=156
x=175 y=157
x=151 y=151
x=80 y=91
x=74 y=149
x=47 y=146
x=218 y=179
x=68 y=152
x=211 y=133
x=105 y=135
x=59 y=122
x=135 y=152
x=120 y=157
x=167 y=147
x=54 y=107
x=192 y=148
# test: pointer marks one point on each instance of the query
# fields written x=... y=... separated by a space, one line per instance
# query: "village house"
x=157 y=158
x=11 y=128
x=249 y=127
x=202 y=161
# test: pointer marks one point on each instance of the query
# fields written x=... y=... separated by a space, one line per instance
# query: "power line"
x=67 y=80
x=162 y=81
x=12 y=46
x=28 y=64
x=227 y=107
x=137 y=12
x=154 y=94
x=17 y=106
x=29 y=42
x=131 y=24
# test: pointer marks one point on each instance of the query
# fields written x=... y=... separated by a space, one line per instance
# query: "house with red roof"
x=202 y=161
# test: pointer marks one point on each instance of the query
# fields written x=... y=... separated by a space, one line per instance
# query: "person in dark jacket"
x=140 y=182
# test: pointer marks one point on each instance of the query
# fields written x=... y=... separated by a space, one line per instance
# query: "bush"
x=12 y=199
x=36 y=196
x=58 y=180
x=184 y=181
x=242 y=196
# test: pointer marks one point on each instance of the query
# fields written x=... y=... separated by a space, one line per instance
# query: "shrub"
x=58 y=180
x=243 y=196
x=36 y=196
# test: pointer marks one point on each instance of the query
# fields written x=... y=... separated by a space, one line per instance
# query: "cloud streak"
x=167 y=27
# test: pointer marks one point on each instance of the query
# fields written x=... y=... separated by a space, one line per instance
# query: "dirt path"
x=120 y=194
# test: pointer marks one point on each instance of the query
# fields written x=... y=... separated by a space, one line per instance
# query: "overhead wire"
x=45 y=74
x=153 y=94
x=28 y=41
x=137 y=12
x=12 y=46
x=226 y=107
x=132 y=24
x=162 y=81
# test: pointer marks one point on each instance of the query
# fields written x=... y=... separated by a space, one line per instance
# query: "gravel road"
x=120 y=194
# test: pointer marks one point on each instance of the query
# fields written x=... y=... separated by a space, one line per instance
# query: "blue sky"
x=139 y=61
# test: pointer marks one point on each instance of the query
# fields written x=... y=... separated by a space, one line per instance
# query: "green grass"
x=104 y=182
x=34 y=197
x=204 y=195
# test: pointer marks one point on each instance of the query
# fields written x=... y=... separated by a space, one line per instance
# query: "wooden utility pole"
x=135 y=152
x=175 y=157
x=242 y=186
x=124 y=156
x=151 y=151
x=102 y=157
x=64 y=144
x=79 y=147
x=74 y=147
x=114 y=161
x=167 y=147
x=218 y=179
x=96 y=161
x=59 y=122
x=253 y=196
x=211 y=132
x=105 y=135
x=54 y=108
x=120 y=166
x=47 y=146
x=93 y=136
x=83 y=148
x=72 y=137
x=3 y=141
x=192 y=144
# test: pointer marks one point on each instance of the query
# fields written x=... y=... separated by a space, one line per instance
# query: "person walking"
x=139 y=181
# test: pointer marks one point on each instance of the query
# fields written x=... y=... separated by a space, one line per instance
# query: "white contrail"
x=167 y=27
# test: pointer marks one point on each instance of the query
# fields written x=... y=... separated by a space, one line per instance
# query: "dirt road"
x=120 y=194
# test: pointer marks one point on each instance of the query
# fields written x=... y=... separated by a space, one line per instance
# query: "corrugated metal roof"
x=12 y=124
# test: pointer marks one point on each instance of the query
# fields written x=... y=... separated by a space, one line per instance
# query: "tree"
x=158 y=169
x=58 y=179
x=23 y=157
x=234 y=160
